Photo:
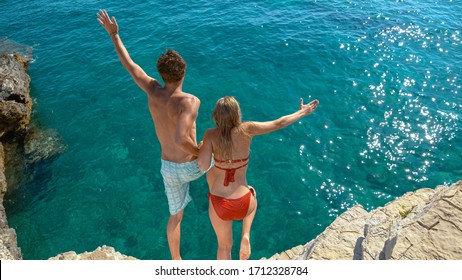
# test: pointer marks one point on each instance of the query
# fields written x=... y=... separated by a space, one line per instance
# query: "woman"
x=231 y=197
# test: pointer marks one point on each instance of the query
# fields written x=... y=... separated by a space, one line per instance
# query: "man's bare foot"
x=244 y=252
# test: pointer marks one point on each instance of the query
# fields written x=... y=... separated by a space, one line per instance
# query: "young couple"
x=174 y=113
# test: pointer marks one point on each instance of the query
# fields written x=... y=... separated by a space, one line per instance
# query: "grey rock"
x=421 y=225
x=101 y=253
x=15 y=102
x=9 y=249
x=3 y=186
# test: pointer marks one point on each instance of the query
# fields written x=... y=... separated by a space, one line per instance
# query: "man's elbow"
x=203 y=166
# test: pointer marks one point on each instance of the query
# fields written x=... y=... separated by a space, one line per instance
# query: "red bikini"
x=229 y=209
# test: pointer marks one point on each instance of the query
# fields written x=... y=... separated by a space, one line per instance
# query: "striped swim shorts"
x=176 y=180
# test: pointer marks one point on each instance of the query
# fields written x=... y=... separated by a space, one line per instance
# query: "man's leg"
x=176 y=181
x=173 y=234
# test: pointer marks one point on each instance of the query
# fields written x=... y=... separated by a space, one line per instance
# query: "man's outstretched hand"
x=108 y=24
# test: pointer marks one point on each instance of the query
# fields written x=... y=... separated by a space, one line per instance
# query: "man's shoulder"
x=187 y=100
x=154 y=85
x=190 y=97
x=155 y=89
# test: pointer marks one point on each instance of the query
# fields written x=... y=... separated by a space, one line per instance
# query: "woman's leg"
x=244 y=252
x=224 y=232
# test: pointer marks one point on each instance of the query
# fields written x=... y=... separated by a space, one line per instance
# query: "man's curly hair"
x=171 y=66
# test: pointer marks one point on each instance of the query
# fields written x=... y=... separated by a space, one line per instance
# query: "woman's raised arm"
x=259 y=128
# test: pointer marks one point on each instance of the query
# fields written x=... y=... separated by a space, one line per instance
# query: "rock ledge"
x=101 y=253
x=421 y=225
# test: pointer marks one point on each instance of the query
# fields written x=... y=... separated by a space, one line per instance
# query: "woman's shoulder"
x=210 y=133
x=247 y=127
x=210 y=130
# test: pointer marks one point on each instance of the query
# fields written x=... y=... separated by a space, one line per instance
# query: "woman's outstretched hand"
x=108 y=24
x=308 y=108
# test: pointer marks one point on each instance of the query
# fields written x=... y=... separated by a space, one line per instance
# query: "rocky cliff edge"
x=421 y=225
x=15 y=110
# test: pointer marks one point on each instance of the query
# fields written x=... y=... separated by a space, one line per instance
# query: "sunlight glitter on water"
x=401 y=131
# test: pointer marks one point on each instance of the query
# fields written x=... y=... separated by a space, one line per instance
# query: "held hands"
x=308 y=108
x=110 y=25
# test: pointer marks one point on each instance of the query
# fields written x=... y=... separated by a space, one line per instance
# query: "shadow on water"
x=30 y=185
x=28 y=165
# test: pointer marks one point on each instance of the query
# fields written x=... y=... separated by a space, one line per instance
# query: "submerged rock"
x=24 y=152
x=421 y=225
x=42 y=144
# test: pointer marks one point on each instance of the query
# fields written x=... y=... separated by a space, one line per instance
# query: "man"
x=174 y=113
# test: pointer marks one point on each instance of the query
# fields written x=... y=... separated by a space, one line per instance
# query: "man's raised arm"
x=139 y=76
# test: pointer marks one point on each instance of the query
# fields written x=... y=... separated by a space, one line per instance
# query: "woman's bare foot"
x=244 y=252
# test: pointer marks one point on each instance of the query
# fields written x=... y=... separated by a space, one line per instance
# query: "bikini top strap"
x=231 y=161
x=232 y=169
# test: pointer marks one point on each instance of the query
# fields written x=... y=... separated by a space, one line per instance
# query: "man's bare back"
x=167 y=108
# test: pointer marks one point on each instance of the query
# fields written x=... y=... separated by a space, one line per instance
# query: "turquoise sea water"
x=387 y=74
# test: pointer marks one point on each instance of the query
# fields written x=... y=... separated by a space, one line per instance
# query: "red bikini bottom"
x=229 y=209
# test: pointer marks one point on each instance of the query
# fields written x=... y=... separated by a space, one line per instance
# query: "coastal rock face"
x=22 y=145
x=8 y=244
x=15 y=102
x=421 y=225
x=9 y=249
x=2 y=173
x=101 y=253
x=15 y=110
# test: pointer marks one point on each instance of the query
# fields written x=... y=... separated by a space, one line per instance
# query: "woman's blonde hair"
x=226 y=115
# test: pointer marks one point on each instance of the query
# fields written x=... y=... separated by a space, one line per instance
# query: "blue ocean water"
x=387 y=74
